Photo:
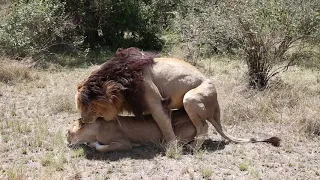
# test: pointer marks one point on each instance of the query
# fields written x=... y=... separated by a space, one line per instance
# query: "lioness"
x=126 y=131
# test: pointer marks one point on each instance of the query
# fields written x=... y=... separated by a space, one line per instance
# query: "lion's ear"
x=113 y=90
x=119 y=50
x=79 y=86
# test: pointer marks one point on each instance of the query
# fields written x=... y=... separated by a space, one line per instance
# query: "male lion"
x=137 y=81
x=127 y=131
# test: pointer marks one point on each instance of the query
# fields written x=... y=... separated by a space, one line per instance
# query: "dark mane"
x=125 y=68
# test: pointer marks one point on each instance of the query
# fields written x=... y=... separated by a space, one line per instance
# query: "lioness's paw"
x=94 y=144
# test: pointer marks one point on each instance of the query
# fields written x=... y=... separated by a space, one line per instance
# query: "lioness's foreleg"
x=114 y=146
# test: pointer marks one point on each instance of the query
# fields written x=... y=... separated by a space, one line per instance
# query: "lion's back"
x=175 y=78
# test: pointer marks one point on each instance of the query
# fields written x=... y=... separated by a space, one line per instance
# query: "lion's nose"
x=87 y=121
x=84 y=119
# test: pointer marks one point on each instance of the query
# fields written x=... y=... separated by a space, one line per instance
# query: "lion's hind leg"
x=194 y=109
x=186 y=132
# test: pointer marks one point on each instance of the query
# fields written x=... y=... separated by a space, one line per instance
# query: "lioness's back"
x=140 y=130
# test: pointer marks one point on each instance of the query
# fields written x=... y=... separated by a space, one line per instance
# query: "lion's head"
x=115 y=86
x=95 y=100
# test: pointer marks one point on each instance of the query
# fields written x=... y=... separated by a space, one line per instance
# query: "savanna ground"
x=36 y=106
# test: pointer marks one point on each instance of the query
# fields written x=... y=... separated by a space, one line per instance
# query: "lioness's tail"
x=275 y=141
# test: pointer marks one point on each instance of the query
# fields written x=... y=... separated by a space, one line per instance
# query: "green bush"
x=36 y=27
x=116 y=23
x=267 y=30
x=202 y=30
x=261 y=31
x=49 y=27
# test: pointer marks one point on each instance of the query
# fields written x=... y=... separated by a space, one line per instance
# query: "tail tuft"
x=253 y=140
x=275 y=141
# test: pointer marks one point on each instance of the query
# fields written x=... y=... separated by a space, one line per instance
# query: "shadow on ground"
x=146 y=152
x=212 y=146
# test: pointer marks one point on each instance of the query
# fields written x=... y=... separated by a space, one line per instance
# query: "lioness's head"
x=79 y=133
x=73 y=128
x=96 y=99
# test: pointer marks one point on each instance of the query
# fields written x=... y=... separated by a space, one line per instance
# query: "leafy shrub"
x=35 y=27
x=268 y=29
x=44 y=27
x=262 y=31
x=114 y=24
x=202 y=29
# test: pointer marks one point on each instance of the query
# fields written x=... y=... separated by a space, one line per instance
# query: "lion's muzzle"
x=88 y=119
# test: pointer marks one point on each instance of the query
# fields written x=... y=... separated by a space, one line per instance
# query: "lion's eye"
x=93 y=111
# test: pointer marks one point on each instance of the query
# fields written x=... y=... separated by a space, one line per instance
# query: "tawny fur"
x=186 y=86
x=126 y=131
x=102 y=96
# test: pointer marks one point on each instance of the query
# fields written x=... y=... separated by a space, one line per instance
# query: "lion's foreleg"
x=163 y=120
x=153 y=100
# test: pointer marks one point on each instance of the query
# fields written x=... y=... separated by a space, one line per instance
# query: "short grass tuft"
x=174 y=151
x=312 y=127
x=79 y=152
x=206 y=172
x=243 y=166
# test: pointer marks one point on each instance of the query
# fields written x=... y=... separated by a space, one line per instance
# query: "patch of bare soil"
x=34 y=116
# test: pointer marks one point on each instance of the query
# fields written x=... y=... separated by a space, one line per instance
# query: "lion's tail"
x=275 y=141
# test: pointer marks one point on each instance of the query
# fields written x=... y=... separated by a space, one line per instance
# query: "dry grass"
x=206 y=172
x=35 y=110
x=174 y=151
x=292 y=98
x=12 y=71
